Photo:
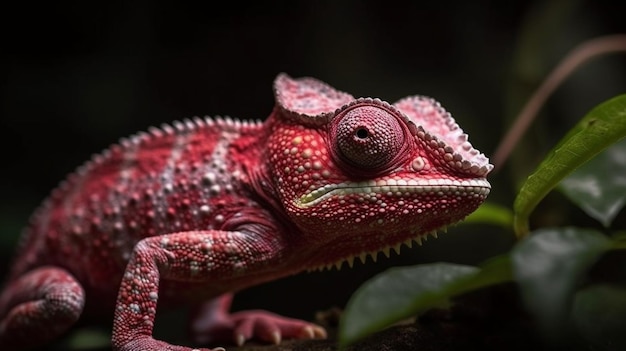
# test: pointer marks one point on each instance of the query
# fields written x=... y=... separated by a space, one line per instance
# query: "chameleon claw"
x=308 y=331
x=314 y=332
x=240 y=339
x=276 y=338
x=319 y=332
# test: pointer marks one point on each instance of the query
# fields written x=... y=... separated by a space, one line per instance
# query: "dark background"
x=77 y=76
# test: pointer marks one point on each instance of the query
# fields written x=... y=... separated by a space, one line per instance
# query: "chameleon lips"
x=392 y=187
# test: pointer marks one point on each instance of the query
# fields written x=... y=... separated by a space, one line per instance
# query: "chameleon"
x=198 y=209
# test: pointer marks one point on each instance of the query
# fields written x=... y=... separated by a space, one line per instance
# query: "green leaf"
x=403 y=292
x=494 y=271
x=601 y=127
x=599 y=313
x=599 y=186
x=396 y=294
x=548 y=266
x=491 y=213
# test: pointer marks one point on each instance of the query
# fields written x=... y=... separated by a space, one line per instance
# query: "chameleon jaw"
x=374 y=254
x=480 y=187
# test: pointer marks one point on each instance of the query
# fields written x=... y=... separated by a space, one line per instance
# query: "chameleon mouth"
x=392 y=187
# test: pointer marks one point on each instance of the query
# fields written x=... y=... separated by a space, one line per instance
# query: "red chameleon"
x=190 y=213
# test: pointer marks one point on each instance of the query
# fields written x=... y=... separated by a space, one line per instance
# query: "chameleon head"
x=361 y=175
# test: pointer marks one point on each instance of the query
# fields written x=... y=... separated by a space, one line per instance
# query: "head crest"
x=308 y=99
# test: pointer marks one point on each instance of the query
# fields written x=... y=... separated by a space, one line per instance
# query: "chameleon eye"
x=368 y=137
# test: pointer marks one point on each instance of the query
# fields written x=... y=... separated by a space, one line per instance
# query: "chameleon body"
x=192 y=212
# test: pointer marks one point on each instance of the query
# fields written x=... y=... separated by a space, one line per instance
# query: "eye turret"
x=367 y=137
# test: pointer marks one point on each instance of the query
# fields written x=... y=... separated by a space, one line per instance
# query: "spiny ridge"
x=184 y=126
x=374 y=254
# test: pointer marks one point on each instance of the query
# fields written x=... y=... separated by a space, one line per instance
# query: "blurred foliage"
x=599 y=129
x=599 y=186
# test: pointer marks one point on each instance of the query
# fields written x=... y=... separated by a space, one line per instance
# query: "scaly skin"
x=191 y=213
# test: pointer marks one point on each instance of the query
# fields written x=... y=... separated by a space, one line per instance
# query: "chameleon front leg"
x=199 y=256
x=39 y=306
